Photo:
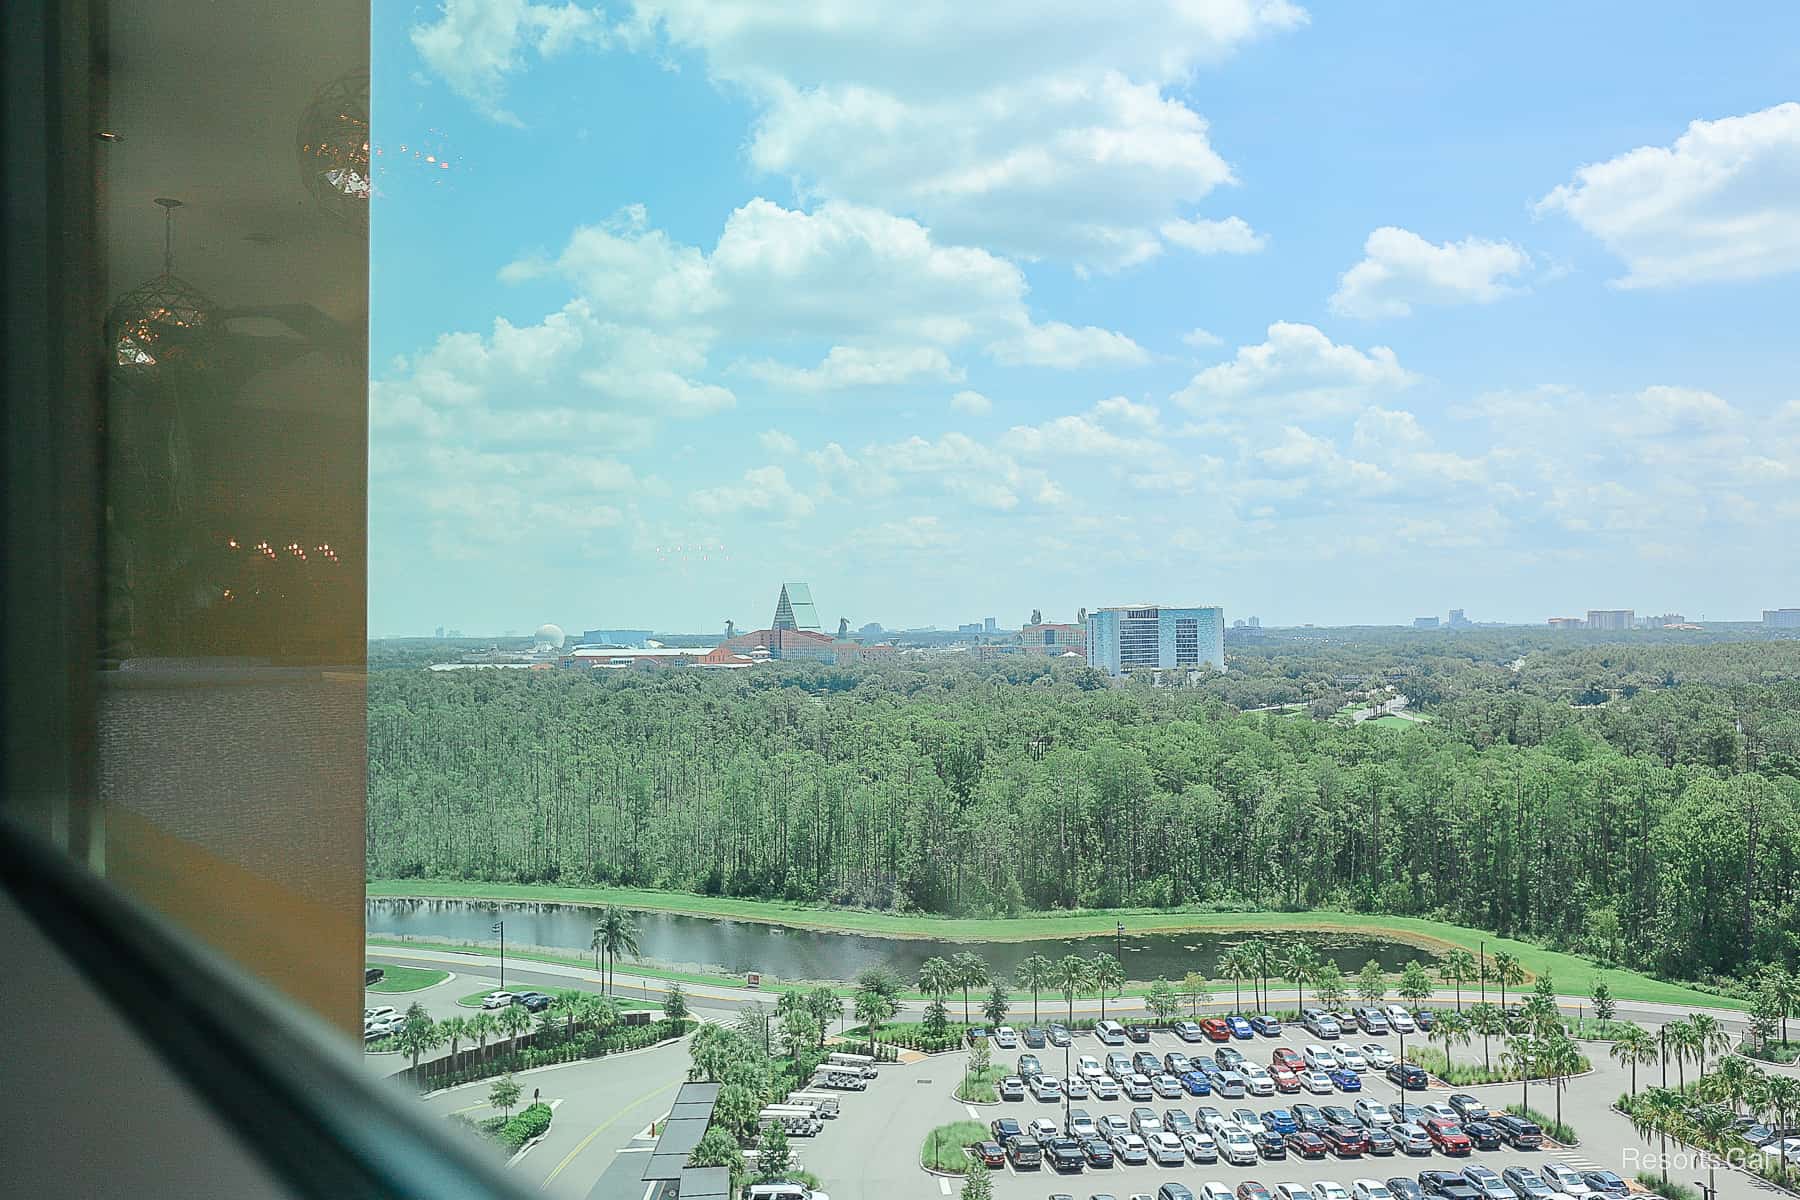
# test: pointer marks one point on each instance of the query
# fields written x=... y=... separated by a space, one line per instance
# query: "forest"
x=1636 y=800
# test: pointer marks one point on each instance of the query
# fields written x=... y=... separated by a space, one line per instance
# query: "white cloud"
x=1721 y=203
x=1055 y=344
x=860 y=367
x=1400 y=269
x=973 y=403
x=1201 y=338
x=1041 y=132
x=475 y=44
x=777 y=442
x=1304 y=456
x=764 y=492
x=1675 y=409
x=1233 y=235
x=1299 y=370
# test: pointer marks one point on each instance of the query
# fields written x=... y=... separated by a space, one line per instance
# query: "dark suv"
x=1517 y=1132
x=1408 y=1076
x=1346 y=1141
x=1025 y=1152
x=1138 y=1033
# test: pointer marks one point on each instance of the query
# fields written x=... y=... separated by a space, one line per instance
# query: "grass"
x=1574 y=976
x=1671 y=1189
x=1470 y=1072
x=977 y=1087
x=1590 y=1029
x=943 y=1148
x=408 y=979
x=1550 y=1125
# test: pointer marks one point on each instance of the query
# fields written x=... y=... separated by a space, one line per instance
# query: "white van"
x=782 y=1191
x=825 y=1102
x=1110 y=1032
x=853 y=1062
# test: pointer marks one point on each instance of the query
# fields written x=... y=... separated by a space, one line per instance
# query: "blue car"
x=1196 y=1083
x=1280 y=1120
x=1266 y=1025
x=1240 y=1028
x=1345 y=1079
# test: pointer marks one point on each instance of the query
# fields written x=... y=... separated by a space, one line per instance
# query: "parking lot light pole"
x=1119 y=944
x=1707 y=1190
x=1068 y=1130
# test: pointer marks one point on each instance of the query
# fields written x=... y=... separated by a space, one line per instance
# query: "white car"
x=1211 y=1119
x=1045 y=1087
x=1566 y=1180
x=1081 y=1124
x=1077 y=1088
x=379 y=1014
x=1201 y=1146
x=1006 y=1037
x=1374 y=1114
x=1088 y=1067
x=1316 y=1082
x=1400 y=1019
x=1319 y=1058
x=1370 y=1189
x=1214 y=1190
x=1236 y=1147
x=1104 y=1087
x=1129 y=1141
x=1325 y=1189
x=1256 y=1078
x=1350 y=1056
x=1166 y=1150
x=1488 y=1183
x=1379 y=1056
x=782 y=1190
x=1293 y=1191
x=497 y=1000
x=1042 y=1129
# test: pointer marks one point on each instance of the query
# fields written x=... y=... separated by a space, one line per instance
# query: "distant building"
x=971 y=627
x=794 y=609
x=1425 y=622
x=1567 y=623
x=1052 y=640
x=990 y=625
x=1256 y=622
x=1238 y=624
x=639 y=638
x=440 y=631
x=1609 y=618
x=1664 y=621
x=1155 y=637
x=1781 y=618
x=872 y=630
x=1457 y=619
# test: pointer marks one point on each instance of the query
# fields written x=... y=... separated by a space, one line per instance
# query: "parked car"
x=1256 y=1078
x=991 y=1154
x=1482 y=1134
x=1306 y=1144
x=1059 y=1036
x=1046 y=1088
x=1379 y=1056
x=1114 y=1125
x=1527 y=1184
x=1279 y=1120
x=1196 y=1083
x=1228 y=1057
x=1145 y=1122
x=533 y=1001
x=1318 y=1058
x=1214 y=1190
x=1381 y=1140
x=1131 y=1151
x=1147 y=1063
x=1565 y=1179
x=1447 y=1137
x=1187 y=1031
x=1266 y=1025
x=1401 y=1020
x=1076 y=1088
x=1293 y=1191
x=1240 y=1027
x=1467 y=1107
x=1006 y=1038
x=1284 y=1079
x=1087 y=1066
x=1252 y=1189
x=1012 y=1088
x=1327 y=1189
x=1316 y=1082
x=1409 y=1137
x=1320 y=1023
x=1177 y=1121
x=1440 y=1110
x=1138 y=1032
x=1215 y=1029
x=1373 y=1113
x=1373 y=1021
x=1605 y=1183
x=1517 y=1132
x=1423 y=1018
x=1065 y=1155
x=1174 y=1191
x=1119 y=1066
x=1346 y=1079
x=1487 y=1181
x=1166 y=1149
x=1308 y=1117
x=1081 y=1123
x=1408 y=1077
x=976 y=1033
x=1405 y=1189
x=373 y=975
x=1235 y=1146
x=1110 y=1033
x=1034 y=1037
x=1029 y=1065
x=1369 y=1189
x=1005 y=1129
x=1447 y=1185
x=1271 y=1146
x=1347 y=1141
x=1099 y=1154
x=497 y=1000
x=1138 y=1087
x=1352 y=1058
x=1201 y=1147
x=1175 y=1063
x=1104 y=1087
x=1025 y=1153
x=1337 y=1114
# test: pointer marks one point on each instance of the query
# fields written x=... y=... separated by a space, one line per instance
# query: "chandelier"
x=333 y=147
x=161 y=326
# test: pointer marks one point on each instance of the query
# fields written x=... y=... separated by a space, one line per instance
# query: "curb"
x=448 y=976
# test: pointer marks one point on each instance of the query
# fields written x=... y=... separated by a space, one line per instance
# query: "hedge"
x=502 y=1058
x=530 y=1123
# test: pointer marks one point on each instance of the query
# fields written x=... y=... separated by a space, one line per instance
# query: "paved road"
x=600 y=1108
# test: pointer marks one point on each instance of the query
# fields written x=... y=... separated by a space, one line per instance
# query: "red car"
x=1347 y=1141
x=1447 y=1136
x=1306 y=1144
x=990 y=1154
x=1285 y=1079
x=1290 y=1059
x=1252 y=1189
x=1215 y=1029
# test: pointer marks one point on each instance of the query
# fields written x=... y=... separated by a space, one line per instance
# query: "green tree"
x=1163 y=1001
x=1521 y=1055
x=1035 y=974
x=756 y=1021
x=799 y=1033
x=483 y=1026
x=675 y=1006
x=1604 y=1008
x=873 y=1007
x=514 y=1020
x=1452 y=1029
x=1541 y=1015
x=1457 y=969
x=977 y=1185
x=736 y=1108
x=1765 y=1011
x=1371 y=983
x=937 y=977
x=825 y=1006
x=997 y=1005
x=454 y=1030
x=1782 y=1096
x=1706 y=1036
x=1508 y=971
x=1298 y=966
x=1236 y=963
x=971 y=972
x=981 y=1056
x=418 y=1034
x=773 y=1158
x=1655 y=1112
x=1330 y=985
x=1107 y=978
x=504 y=1094
x=718 y=1147
x=1264 y=959
x=1072 y=975
x=1196 y=991
x=1633 y=1048
x=937 y=1018
x=1559 y=1058
x=615 y=933
x=1415 y=984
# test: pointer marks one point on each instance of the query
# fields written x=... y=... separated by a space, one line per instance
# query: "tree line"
x=1660 y=831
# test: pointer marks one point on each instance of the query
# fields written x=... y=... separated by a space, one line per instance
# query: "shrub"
x=1671 y=1189
x=1550 y=1125
x=945 y=1146
x=977 y=1087
x=530 y=1123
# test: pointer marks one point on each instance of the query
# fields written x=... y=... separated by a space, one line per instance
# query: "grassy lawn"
x=978 y=1087
x=1392 y=722
x=408 y=979
x=1574 y=976
x=1467 y=1070
x=943 y=1148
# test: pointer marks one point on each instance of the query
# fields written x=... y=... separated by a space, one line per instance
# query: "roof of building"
x=794 y=608
x=682 y=1131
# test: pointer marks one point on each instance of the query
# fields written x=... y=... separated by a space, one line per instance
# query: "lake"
x=783 y=952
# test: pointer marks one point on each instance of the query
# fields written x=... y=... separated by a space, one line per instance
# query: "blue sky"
x=1335 y=314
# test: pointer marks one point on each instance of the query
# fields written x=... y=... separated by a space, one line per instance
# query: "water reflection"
x=735 y=947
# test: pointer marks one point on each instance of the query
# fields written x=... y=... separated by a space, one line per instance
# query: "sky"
x=1338 y=314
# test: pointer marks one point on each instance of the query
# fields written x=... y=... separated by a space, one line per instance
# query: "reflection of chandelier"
x=162 y=325
x=334 y=148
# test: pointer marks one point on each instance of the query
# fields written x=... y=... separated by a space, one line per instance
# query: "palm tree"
x=1507 y=971
x=418 y=1034
x=1452 y=1029
x=1786 y=985
x=1655 y=1111
x=1713 y=1122
x=971 y=971
x=1559 y=1059
x=1299 y=965
x=514 y=1020
x=1263 y=959
x=937 y=978
x=1236 y=963
x=1782 y=1094
x=1736 y=1075
x=1521 y=1053
x=1633 y=1047
x=1678 y=1038
x=1071 y=978
x=455 y=1029
x=482 y=1026
x=615 y=933
x=1487 y=1021
x=1108 y=976
x=1458 y=968
x=873 y=1006
x=1707 y=1036
x=1035 y=974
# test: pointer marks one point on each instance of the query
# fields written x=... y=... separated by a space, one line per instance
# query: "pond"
x=783 y=952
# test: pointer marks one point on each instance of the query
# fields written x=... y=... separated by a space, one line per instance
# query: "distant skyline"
x=1333 y=315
